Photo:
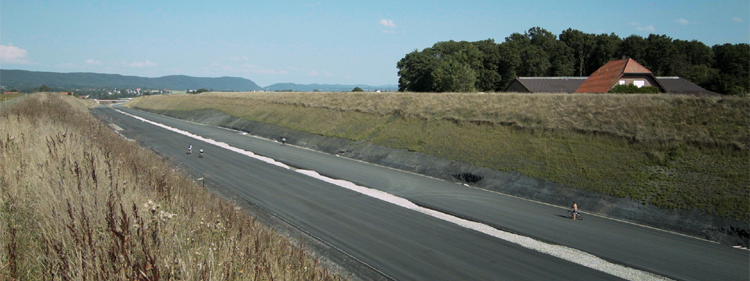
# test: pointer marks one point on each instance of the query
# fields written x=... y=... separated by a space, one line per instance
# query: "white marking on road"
x=562 y=252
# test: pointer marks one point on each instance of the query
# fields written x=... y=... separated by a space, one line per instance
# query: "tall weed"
x=77 y=202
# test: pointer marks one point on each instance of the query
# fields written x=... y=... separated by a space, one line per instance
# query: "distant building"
x=679 y=85
x=616 y=72
x=10 y=93
x=619 y=72
x=545 y=84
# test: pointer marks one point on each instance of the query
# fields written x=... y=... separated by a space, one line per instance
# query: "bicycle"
x=577 y=214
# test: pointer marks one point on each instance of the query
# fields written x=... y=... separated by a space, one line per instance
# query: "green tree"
x=558 y=53
x=694 y=52
x=450 y=75
x=541 y=37
x=534 y=60
x=731 y=62
x=44 y=88
x=659 y=54
x=605 y=49
x=581 y=45
x=510 y=61
x=562 y=62
x=357 y=89
x=693 y=61
x=415 y=71
x=488 y=76
x=634 y=46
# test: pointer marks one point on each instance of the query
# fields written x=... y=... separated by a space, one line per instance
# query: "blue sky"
x=317 y=41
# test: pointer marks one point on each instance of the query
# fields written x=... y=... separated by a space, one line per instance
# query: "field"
x=9 y=96
x=78 y=202
x=671 y=151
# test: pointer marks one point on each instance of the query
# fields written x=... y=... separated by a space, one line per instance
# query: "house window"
x=622 y=82
x=639 y=83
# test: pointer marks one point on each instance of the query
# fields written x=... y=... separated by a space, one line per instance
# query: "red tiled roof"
x=633 y=66
x=606 y=76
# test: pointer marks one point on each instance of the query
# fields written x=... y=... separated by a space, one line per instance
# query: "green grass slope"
x=673 y=152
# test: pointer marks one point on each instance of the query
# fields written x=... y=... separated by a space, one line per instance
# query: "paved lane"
x=667 y=254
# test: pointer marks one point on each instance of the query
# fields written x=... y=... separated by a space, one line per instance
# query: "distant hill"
x=22 y=80
x=326 y=87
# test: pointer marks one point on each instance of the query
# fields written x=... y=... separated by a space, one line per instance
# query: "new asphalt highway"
x=403 y=244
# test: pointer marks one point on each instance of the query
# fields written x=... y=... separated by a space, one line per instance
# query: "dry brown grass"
x=644 y=118
x=77 y=202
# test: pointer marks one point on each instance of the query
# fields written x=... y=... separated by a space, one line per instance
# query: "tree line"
x=486 y=66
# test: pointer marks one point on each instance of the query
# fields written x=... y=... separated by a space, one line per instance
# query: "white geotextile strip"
x=566 y=253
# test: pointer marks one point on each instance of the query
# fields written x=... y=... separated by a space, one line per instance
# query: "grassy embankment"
x=4 y=98
x=78 y=202
x=671 y=151
x=9 y=96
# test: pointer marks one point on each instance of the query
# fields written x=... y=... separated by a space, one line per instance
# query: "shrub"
x=633 y=89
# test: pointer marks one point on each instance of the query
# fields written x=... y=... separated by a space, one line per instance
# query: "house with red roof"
x=619 y=72
x=616 y=72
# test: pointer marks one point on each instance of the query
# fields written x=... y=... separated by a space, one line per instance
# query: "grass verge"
x=77 y=202
x=671 y=151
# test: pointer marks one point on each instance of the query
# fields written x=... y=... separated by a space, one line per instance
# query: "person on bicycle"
x=190 y=149
x=283 y=141
x=575 y=210
x=200 y=151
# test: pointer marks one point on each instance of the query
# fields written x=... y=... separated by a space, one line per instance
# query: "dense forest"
x=489 y=67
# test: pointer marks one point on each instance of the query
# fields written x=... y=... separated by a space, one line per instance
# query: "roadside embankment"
x=79 y=202
x=680 y=178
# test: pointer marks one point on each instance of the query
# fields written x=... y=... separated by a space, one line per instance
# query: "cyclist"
x=283 y=141
x=575 y=210
x=200 y=151
x=190 y=149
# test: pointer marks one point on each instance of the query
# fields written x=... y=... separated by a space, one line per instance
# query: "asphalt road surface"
x=406 y=245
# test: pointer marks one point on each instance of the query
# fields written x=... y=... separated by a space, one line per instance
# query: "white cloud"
x=640 y=27
x=389 y=32
x=648 y=28
x=12 y=55
x=387 y=23
x=93 y=62
x=142 y=64
x=737 y=19
x=683 y=21
x=242 y=58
